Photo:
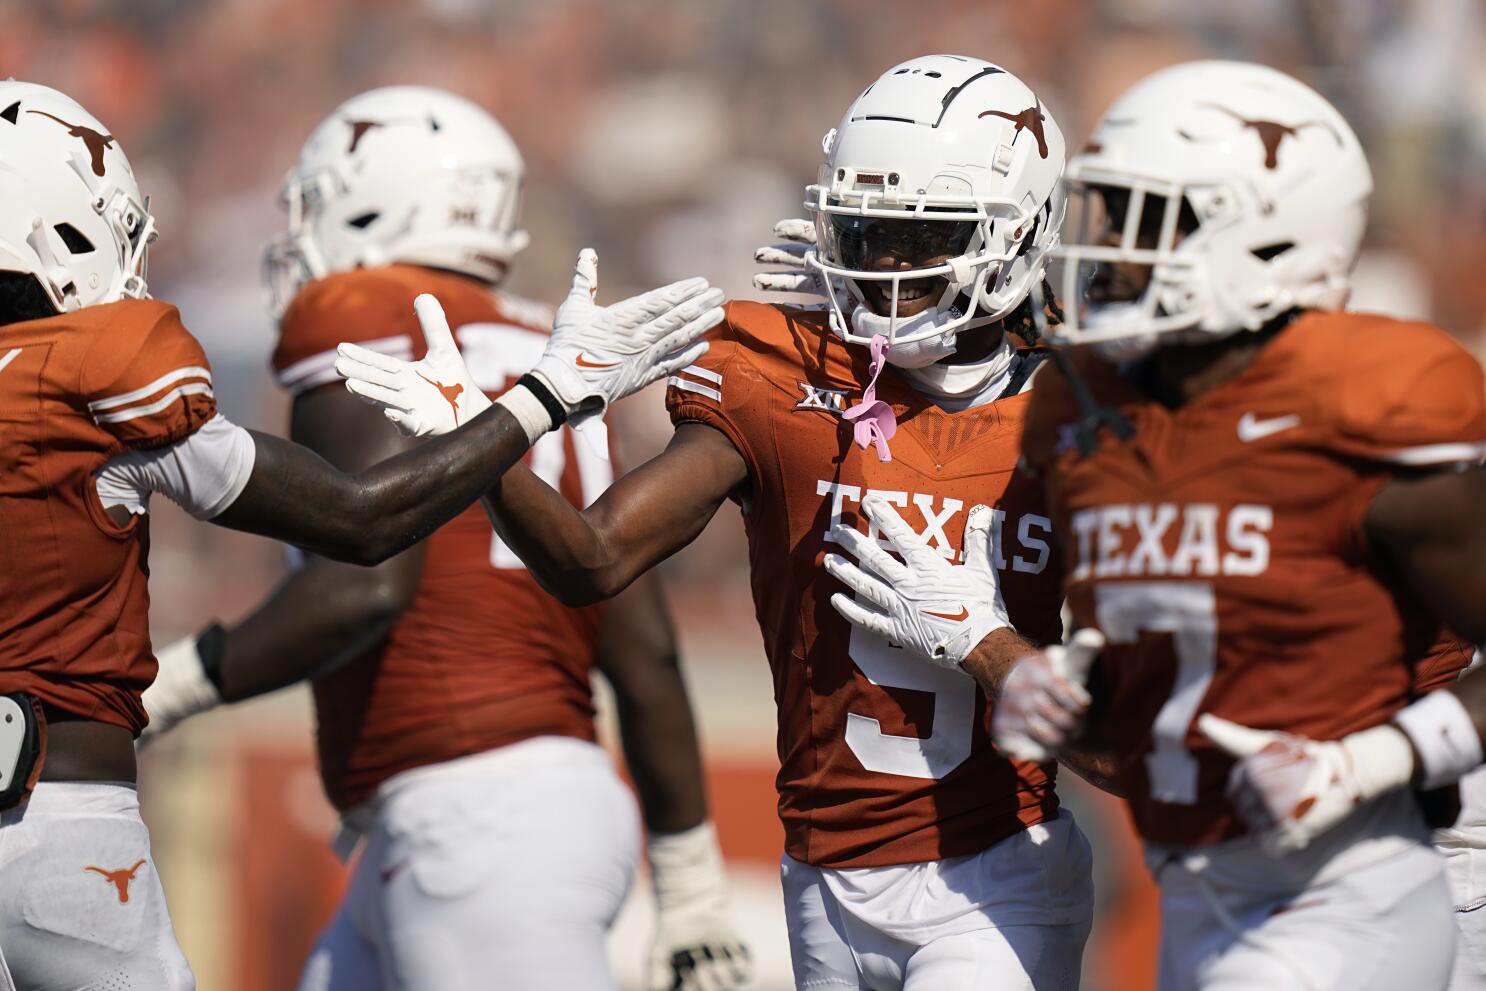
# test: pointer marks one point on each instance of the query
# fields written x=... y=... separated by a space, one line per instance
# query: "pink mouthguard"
x=873 y=421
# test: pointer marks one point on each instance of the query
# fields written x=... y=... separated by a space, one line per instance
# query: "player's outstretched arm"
x=644 y=517
x=323 y=613
x=296 y=496
x=696 y=943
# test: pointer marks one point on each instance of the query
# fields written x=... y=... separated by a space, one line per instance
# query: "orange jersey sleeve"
x=1403 y=394
x=145 y=379
x=362 y=307
x=719 y=390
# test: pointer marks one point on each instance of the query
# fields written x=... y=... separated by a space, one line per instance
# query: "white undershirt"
x=203 y=473
x=957 y=388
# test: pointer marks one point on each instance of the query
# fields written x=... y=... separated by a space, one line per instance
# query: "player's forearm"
x=662 y=753
x=323 y=614
x=365 y=518
x=560 y=545
x=991 y=660
x=637 y=655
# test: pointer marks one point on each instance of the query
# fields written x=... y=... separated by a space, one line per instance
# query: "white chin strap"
x=915 y=354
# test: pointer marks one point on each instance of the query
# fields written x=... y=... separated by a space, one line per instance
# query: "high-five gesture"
x=597 y=355
x=430 y=396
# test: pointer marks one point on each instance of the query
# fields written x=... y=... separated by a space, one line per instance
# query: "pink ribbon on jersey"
x=873 y=421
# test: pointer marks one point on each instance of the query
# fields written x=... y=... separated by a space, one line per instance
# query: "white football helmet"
x=400 y=174
x=1260 y=174
x=70 y=210
x=965 y=149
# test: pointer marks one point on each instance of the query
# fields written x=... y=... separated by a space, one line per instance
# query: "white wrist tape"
x=1381 y=758
x=687 y=867
x=528 y=411
x=1444 y=735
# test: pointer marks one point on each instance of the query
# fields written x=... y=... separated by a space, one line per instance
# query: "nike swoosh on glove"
x=789 y=254
x=432 y=395
x=1043 y=699
x=599 y=354
x=696 y=945
x=1289 y=789
x=930 y=607
x=180 y=690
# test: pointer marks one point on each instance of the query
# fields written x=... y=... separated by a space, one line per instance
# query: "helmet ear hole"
x=363 y=221
x=1270 y=252
x=73 y=238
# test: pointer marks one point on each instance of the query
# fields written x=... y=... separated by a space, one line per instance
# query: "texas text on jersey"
x=479 y=629
x=1221 y=552
x=883 y=760
x=75 y=390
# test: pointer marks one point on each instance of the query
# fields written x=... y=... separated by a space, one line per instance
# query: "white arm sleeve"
x=203 y=473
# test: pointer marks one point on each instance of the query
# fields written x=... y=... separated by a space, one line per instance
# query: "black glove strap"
x=210 y=645
x=544 y=396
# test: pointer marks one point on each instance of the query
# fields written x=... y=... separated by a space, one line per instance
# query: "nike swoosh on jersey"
x=958 y=617
x=1251 y=428
x=583 y=362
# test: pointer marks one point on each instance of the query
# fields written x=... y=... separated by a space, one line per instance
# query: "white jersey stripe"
x=1438 y=454
x=113 y=402
x=315 y=365
x=134 y=412
x=686 y=386
x=704 y=374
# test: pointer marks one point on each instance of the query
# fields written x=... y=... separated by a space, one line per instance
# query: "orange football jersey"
x=1221 y=550
x=483 y=657
x=76 y=390
x=884 y=760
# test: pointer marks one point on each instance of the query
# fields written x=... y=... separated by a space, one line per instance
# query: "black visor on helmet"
x=863 y=243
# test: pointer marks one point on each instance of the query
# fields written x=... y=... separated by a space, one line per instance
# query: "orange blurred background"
x=670 y=135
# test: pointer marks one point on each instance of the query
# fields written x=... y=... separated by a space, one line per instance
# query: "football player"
x=915 y=856
x=462 y=689
x=1269 y=507
x=105 y=398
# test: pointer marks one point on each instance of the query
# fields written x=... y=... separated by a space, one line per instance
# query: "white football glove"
x=696 y=945
x=799 y=240
x=1290 y=789
x=181 y=689
x=596 y=355
x=1043 y=699
x=432 y=395
x=934 y=609
x=599 y=354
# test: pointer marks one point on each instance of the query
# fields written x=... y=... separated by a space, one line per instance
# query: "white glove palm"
x=432 y=395
x=1043 y=699
x=935 y=609
x=696 y=945
x=1290 y=789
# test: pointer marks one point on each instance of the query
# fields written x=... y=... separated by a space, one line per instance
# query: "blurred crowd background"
x=670 y=135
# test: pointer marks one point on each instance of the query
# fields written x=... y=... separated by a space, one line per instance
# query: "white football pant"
x=81 y=907
x=1014 y=916
x=1464 y=847
x=1364 y=908
x=500 y=870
